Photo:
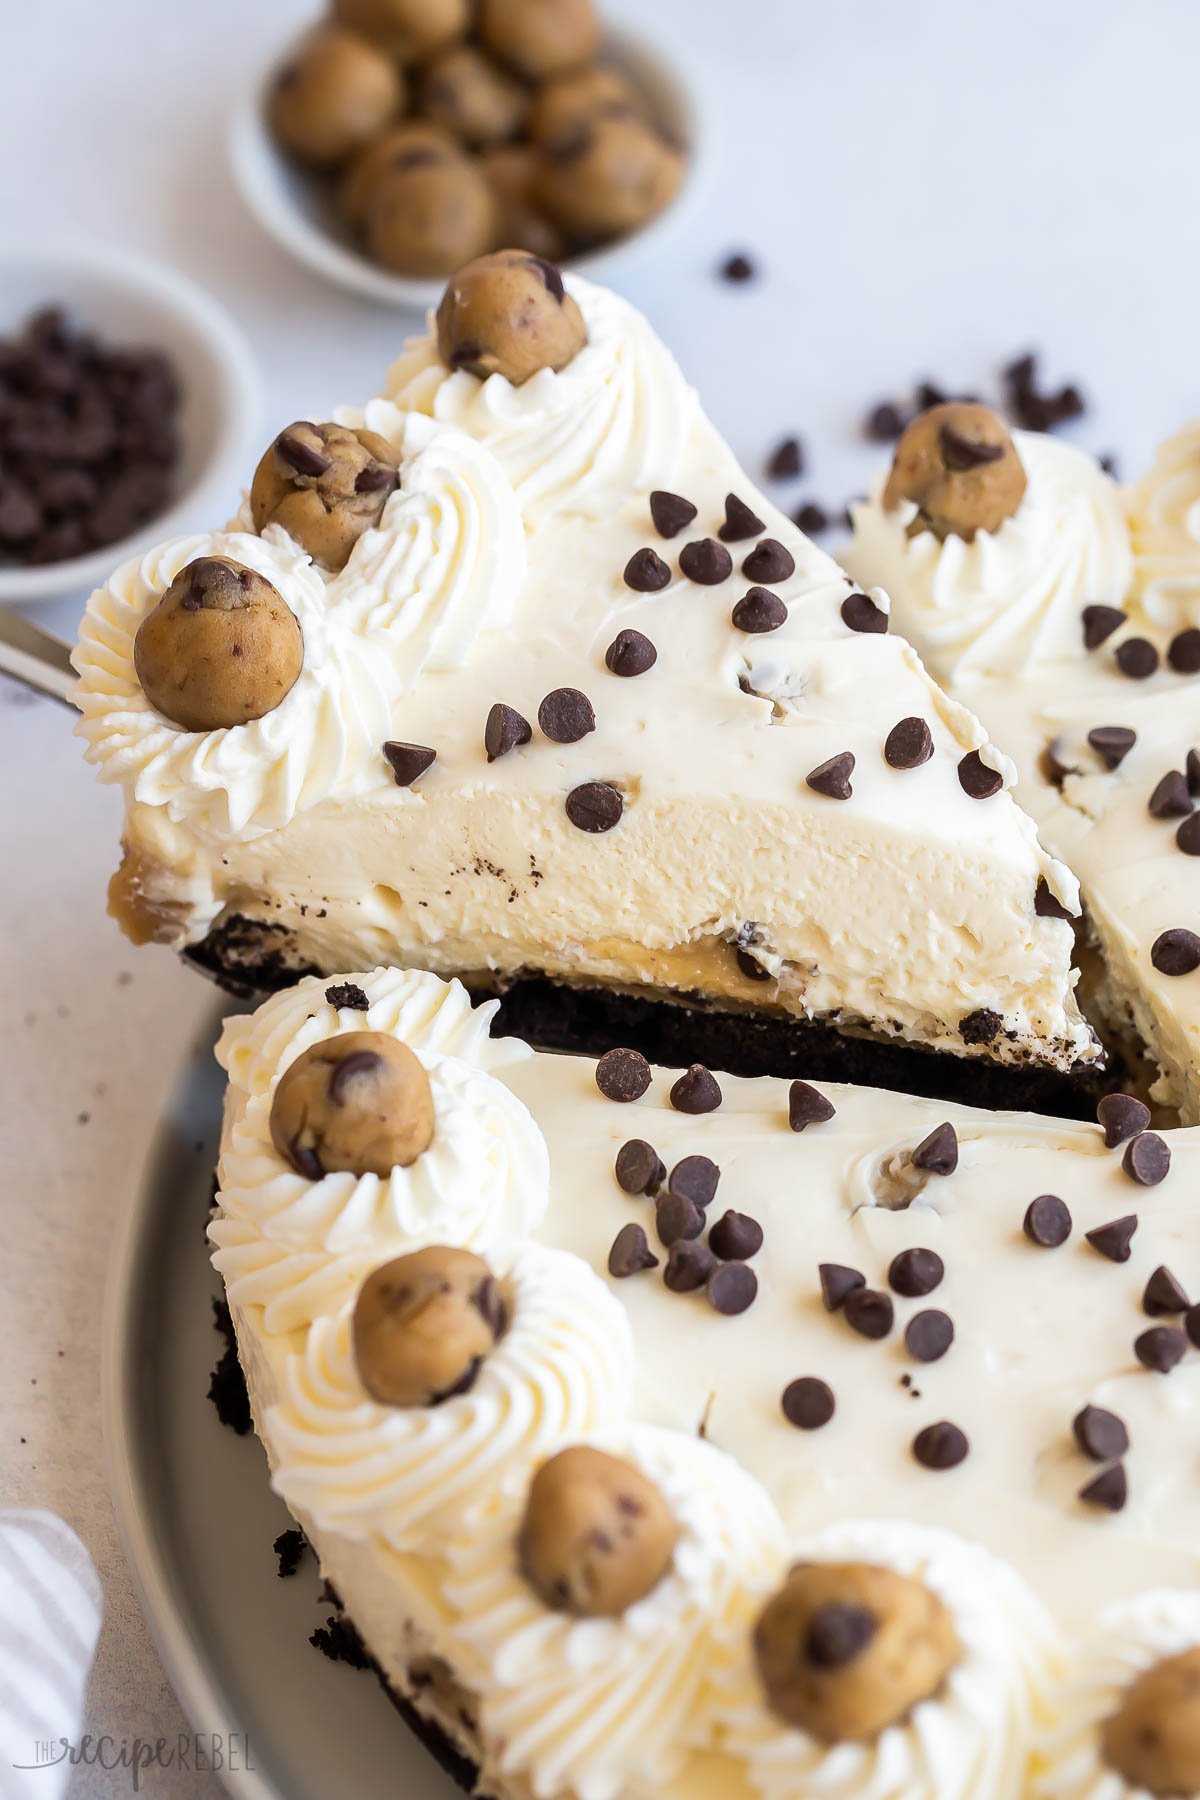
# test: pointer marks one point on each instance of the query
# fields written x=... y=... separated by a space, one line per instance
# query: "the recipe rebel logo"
x=199 y=1753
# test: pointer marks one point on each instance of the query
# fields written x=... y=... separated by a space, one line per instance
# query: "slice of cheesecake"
x=579 y=716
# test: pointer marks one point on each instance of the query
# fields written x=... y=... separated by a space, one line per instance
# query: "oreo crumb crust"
x=347 y=994
x=227 y=1384
x=289 y=1548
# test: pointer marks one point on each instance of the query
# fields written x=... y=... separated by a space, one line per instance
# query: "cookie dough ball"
x=430 y=217
x=465 y=93
x=423 y=1325
x=360 y=1101
x=325 y=485
x=846 y=1649
x=407 y=30
x=960 y=466
x=597 y=1535
x=608 y=179
x=564 y=108
x=409 y=146
x=333 y=95
x=1153 y=1740
x=509 y=171
x=222 y=647
x=540 y=38
x=509 y=314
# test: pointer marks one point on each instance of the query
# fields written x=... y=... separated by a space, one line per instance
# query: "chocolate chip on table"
x=869 y=1312
x=696 y=1091
x=981 y=1026
x=1176 y=952
x=811 y=518
x=347 y=994
x=914 y=1273
x=1112 y=743
x=1099 y=623
x=646 y=572
x=670 y=512
x=639 y=1168
x=1113 y=1240
x=1046 y=903
x=769 y=562
x=1137 y=658
x=1147 y=1159
x=696 y=1179
x=504 y=730
x=807 y=1106
x=928 y=1335
x=566 y=715
x=689 y=1265
x=1047 y=1222
x=622 y=1075
x=735 y=1237
x=860 y=613
x=1164 y=1295
x=937 y=1154
x=740 y=521
x=1030 y=406
x=1183 y=652
x=675 y=1217
x=941 y=1446
x=408 y=761
x=832 y=778
x=1187 y=838
x=738 y=268
x=759 y=610
x=1123 y=1116
x=908 y=744
x=630 y=653
x=1160 y=1348
x=1109 y=1489
x=1193 y=772
x=884 y=423
x=731 y=1288
x=630 y=1253
x=808 y=1403
x=1100 y=1434
x=977 y=779
x=706 y=562
x=837 y=1281
x=594 y=806
x=787 y=460
x=1172 y=797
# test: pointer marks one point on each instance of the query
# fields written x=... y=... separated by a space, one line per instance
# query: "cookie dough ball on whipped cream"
x=958 y=464
x=407 y=30
x=540 y=38
x=325 y=485
x=597 y=1535
x=423 y=1325
x=469 y=95
x=222 y=647
x=334 y=94
x=1153 y=1739
x=509 y=314
x=567 y=106
x=846 y=1649
x=429 y=214
x=607 y=179
x=359 y=1102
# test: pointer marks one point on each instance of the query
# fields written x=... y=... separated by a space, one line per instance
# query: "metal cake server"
x=35 y=657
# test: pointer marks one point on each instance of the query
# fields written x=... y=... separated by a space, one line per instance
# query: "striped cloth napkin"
x=50 y=1608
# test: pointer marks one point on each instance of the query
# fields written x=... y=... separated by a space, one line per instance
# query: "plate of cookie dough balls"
x=397 y=140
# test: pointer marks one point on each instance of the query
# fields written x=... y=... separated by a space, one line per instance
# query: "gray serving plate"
x=198 y=1519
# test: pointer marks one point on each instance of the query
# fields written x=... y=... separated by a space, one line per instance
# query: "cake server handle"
x=35 y=657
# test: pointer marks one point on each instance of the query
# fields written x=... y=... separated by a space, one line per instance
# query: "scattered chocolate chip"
x=769 y=562
x=928 y=1335
x=1056 y=763
x=1047 y=1222
x=869 y=1312
x=884 y=423
x=1122 y=1116
x=1193 y=773
x=811 y=519
x=1191 y=1324
x=1112 y=743
x=676 y=1217
x=630 y=1253
x=1176 y=952
x=639 y=1168
x=806 y=1106
x=980 y=1026
x=860 y=613
x=808 y=1403
x=1113 y=1240
x=738 y=268
x=1137 y=658
x=1160 y=1348
x=622 y=1075
x=937 y=1154
x=836 y=1282
x=832 y=778
x=915 y=1273
x=732 y=1287
x=630 y=653
x=940 y=1446
x=1187 y=838
x=908 y=744
x=1046 y=903
x=409 y=761
x=695 y=1178
x=347 y=994
x=565 y=716
x=670 y=512
x=736 y=1237
x=1099 y=623
x=1109 y=1489
x=696 y=1091
x=759 y=610
x=837 y=1634
x=1183 y=652
x=505 y=729
x=1033 y=408
x=689 y=1265
x=1100 y=1434
x=1147 y=1159
x=740 y=521
x=595 y=806
x=1172 y=797
x=705 y=561
x=977 y=779
x=1163 y=1295
x=786 y=460
x=647 y=573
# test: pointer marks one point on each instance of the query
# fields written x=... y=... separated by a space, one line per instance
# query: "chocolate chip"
x=696 y=1178
x=566 y=715
x=808 y=1403
x=977 y=779
x=1163 y=1295
x=302 y=458
x=639 y=1168
x=630 y=1253
x=376 y=478
x=732 y=1287
x=750 y=967
x=787 y=460
x=908 y=744
x=347 y=1072
x=622 y=1075
x=670 y=512
x=961 y=453
x=1193 y=773
x=838 y=1633
x=769 y=562
x=675 y=1217
x=347 y=994
x=1109 y=1489
x=689 y=1265
x=884 y=423
x=1191 y=1324
x=811 y=519
x=869 y=1312
x=928 y=1335
x=740 y=522
x=937 y=1154
x=646 y=572
x=940 y=1446
x=595 y=806
x=832 y=778
x=696 y=1091
x=1183 y=652
x=1137 y=658
x=1100 y=1434
x=1046 y=903
x=860 y=613
x=505 y=729
x=916 y=1272
x=1176 y=952
x=759 y=610
x=630 y=653
x=1122 y=1117
x=705 y=561
x=409 y=761
x=1047 y=1222
x=1147 y=1159
x=980 y=1026
x=1112 y=1240
x=736 y=1237
x=1160 y=1348
x=806 y=1106
x=1112 y=743
x=838 y=1281
x=1171 y=798
x=1187 y=838
x=738 y=268
x=1099 y=623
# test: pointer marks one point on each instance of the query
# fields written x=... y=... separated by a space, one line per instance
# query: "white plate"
x=198 y=1519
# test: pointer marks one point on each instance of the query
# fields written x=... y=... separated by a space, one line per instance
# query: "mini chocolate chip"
x=630 y=653
x=705 y=561
x=740 y=522
x=1183 y=652
x=595 y=806
x=836 y=1282
x=787 y=460
x=860 y=613
x=916 y=1272
x=1112 y=743
x=1137 y=658
x=769 y=562
x=1047 y=1222
x=1193 y=773
x=1147 y=1159
x=1187 y=838
x=639 y=1168
x=1099 y=623
x=302 y=458
x=750 y=967
x=1172 y=797
x=1056 y=763
x=1100 y=1434
x=941 y=1446
x=884 y=423
x=928 y=1335
x=505 y=729
x=759 y=610
x=869 y=1312
x=670 y=512
x=409 y=761
x=908 y=744
x=1109 y=1489
x=1191 y=1324
x=811 y=519
x=1160 y=1348
x=832 y=778
x=937 y=1154
x=630 y=1253
x=566 y=715
x=1163 y=1295
x=1112 y=1240
x=689 y=1265
x=696 y=1178
x=1122 y=1116
x=732 y=1287
x=838 y=1633
x=647 y=573
x=1176 y=952
x=622 y=1075
x=808 y=1403
x=347 y=994
x=977 y=778
x=1046 y=903
x=736 y=1237
x=676 y=1217
x=980 y=1026
x=806 y=1106
x=696 y=1091
x=738 y=268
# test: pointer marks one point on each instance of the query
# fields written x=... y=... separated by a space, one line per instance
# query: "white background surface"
x=930 y=188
